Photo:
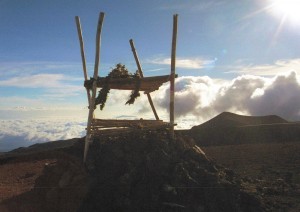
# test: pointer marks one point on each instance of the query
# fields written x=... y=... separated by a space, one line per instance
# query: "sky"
x=237 y=56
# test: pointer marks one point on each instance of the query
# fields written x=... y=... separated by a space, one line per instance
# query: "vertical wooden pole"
x=77 y=19
x=142 y=75
x=172 y=80
x=94 y=89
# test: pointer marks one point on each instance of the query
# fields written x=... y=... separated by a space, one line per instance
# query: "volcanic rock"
x=149 y=172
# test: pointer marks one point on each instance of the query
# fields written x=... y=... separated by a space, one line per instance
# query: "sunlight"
x=286 y=10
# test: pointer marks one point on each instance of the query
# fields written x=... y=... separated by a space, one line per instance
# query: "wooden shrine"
x=97 y=127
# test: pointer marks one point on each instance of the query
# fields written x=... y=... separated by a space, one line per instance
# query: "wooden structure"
x=148 y=84
x=98 y=127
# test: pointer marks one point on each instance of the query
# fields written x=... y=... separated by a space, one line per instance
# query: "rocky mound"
x=148 y=172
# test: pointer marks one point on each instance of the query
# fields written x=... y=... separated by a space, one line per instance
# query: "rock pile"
x=149 y=172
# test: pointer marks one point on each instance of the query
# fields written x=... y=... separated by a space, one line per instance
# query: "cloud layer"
x=22 y=133
x=204 y=97
x=197 y=99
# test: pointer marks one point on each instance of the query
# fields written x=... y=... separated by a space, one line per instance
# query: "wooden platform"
x=147 y=84
x=105 y=126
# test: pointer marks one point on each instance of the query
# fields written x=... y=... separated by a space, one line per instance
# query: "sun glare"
x=287 y=10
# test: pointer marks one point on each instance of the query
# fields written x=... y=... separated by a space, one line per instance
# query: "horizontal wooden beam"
x=97 y=124
x=124 y=120
x=147 y=84
x=112 y=131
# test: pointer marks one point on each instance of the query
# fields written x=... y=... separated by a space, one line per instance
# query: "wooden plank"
x=137 y=126
x=94 y=88
x=147 y=84
x=127 y=123
x=113 y=131
x=124 y=120
x=172 y=80
x=142 y=76
x=165 y=124
x=79 y=31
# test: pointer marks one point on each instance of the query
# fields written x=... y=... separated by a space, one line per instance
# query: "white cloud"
x=33 y=67
x=279 y=67
x=37 y=81
x=44 y=112
x=188 y=63
x=43 y=101
x=56 y=86
x=204 y=97
x=192 y=5
x=191 y=92
x=154 y=70
x=16 y=101
x=281 y=97
x=17 y=133
x=34 y=81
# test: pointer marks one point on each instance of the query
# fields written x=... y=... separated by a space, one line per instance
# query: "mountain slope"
x=227 y=119
x=229 y=128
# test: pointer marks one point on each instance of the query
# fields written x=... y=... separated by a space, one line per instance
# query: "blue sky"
x=228 y=53
x=226 y=33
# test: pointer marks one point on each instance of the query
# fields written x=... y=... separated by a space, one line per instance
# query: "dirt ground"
x=272 y=170
x=17 y=178
x=41 y=181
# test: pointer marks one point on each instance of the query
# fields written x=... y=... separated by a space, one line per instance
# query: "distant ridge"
x=229 y=128
x=227 y=119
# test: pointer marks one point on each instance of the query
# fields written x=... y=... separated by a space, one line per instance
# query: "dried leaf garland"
x=119 y=71
x=135 y=93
